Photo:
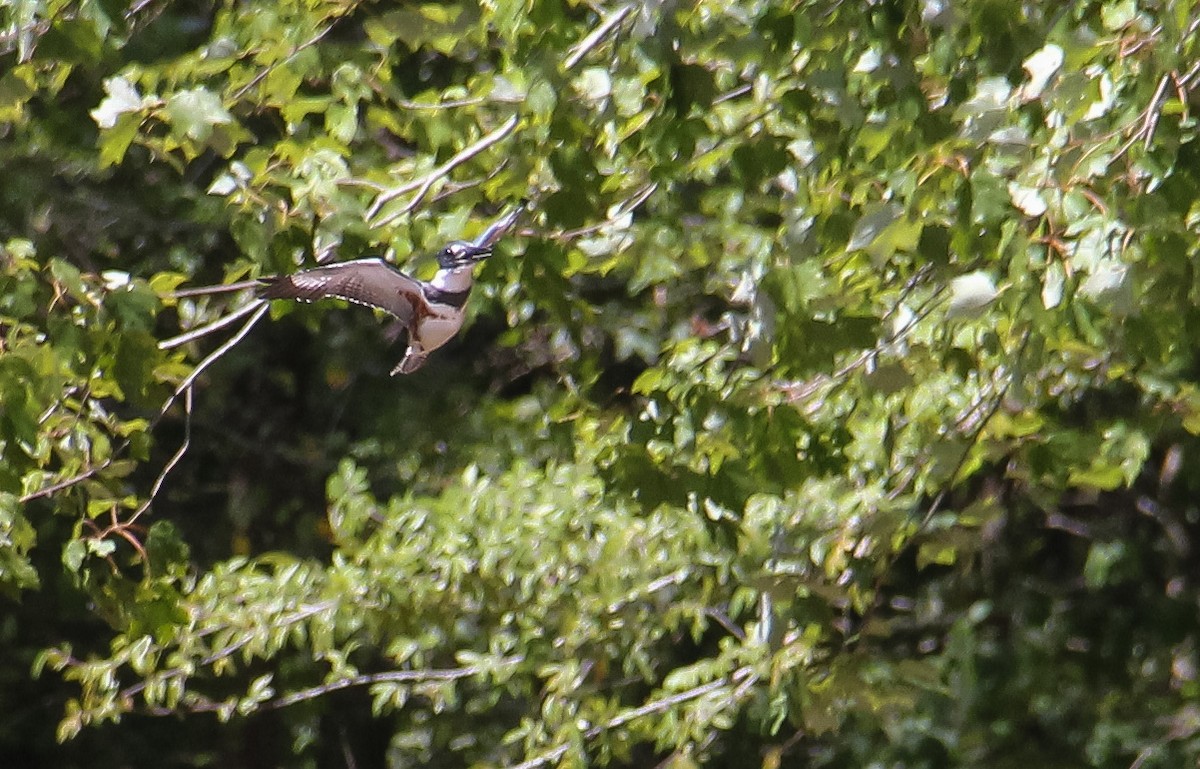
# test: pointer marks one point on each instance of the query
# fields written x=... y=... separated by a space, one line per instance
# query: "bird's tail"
x=273 y=287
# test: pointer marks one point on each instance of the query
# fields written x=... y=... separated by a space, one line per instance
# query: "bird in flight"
x=431 y=311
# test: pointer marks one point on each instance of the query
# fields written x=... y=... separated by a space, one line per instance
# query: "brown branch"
x=187 y=382
x=174 y=460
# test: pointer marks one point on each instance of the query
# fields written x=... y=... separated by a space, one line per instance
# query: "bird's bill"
x=501 y=226
x=473 y=253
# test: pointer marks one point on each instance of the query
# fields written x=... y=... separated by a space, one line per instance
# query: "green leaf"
x=1052 y=285
x=594 y=84
x=73 y=554
x=194 y=112
x=970 y=293
x=1041 y=66
x=1028 y=199
x=115 y=142
x=1102 y=558
x=1118 y=14
x=16 y=86
x=876 y=217
x=17 y=538
x=123 y=97
x=166 y=551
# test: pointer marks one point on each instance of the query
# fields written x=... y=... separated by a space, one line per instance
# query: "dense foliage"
x=835 y=405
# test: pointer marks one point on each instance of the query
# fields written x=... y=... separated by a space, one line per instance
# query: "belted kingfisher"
x=432 y=312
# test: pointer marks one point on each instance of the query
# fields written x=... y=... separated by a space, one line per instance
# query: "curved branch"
x=423 y=184
x=208 y=328
x=187 y=382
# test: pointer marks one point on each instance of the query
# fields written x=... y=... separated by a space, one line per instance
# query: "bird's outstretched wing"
x=372 y=282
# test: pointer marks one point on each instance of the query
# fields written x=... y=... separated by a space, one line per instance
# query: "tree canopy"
x=835 y=404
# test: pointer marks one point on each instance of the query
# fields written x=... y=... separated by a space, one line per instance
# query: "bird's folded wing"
x=372 y=282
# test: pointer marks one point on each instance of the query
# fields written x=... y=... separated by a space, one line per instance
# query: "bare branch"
x=187 y=382
x=174 y=460
x=440 y=105
x=1150 y=116
x=626 y=207
x=390 y=676
x=262 y=306
x=799 y=391
x=302 y=695
x=53 y=488
x=423 y=184
x=208 y=328
x=296 y=52
x=596 y=35
x=741 y=90
x=989 y=410
x=224 y=288
x=654 y=706
x=233 y=648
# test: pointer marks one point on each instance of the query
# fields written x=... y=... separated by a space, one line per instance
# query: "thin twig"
x=390 y=676
x=452 y=187
x=224 y=288
x=741 y=90
x=801 y=391
x=187 y=382
x=136 y=9
x=982 y=423
x=596 y=35
x=655 y=706
x=626 y=207
x=674 y=578
x=174 y=460
x=423 y=184
x=296 y=52
x=1152 y=113
x=725 y=621
x=1141 y=758
x=185 y=670
x=440 y=105
x=208 y=328
x=263 y=306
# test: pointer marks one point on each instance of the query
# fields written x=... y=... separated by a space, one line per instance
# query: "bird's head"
x=460 y=253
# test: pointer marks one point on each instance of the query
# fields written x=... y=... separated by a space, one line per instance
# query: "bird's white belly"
x=436 y=330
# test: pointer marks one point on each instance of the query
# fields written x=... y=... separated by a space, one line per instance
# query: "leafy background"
x=836 y=405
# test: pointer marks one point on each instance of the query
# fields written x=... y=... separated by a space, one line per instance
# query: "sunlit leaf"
x=194 y=112
x=971 y=293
